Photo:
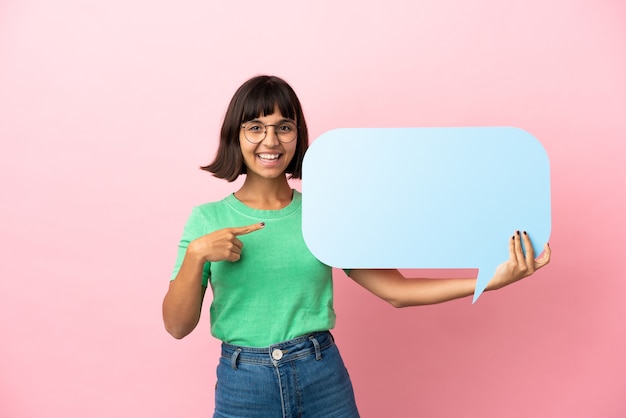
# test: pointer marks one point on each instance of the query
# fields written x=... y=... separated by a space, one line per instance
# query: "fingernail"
x=262 y=223
x=517 y=232
x=525 y=233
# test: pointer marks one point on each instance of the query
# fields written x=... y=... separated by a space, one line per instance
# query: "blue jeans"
x=303 y=377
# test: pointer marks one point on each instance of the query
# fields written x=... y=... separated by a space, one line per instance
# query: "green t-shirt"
x=278 y=290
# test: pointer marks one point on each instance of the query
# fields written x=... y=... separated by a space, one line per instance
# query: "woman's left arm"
x=399 y=291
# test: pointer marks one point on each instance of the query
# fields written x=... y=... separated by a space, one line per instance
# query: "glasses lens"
x=254 y=131
x=286 y=131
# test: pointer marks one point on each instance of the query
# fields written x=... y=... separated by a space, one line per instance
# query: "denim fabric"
x=304 y=377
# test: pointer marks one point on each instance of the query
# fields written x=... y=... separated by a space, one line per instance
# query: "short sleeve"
x=194 y=228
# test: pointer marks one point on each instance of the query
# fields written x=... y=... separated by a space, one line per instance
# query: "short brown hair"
x=257 y=97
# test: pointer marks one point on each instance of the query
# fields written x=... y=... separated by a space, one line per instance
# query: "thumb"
x=544 y=258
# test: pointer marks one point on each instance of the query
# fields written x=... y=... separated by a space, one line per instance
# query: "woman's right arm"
x=182 y=304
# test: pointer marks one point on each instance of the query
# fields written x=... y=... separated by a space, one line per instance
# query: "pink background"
x=108 y=108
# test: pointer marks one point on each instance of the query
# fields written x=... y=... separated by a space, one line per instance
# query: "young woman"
x=272 y=301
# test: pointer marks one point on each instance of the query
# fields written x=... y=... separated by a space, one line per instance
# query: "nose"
x=271 y=139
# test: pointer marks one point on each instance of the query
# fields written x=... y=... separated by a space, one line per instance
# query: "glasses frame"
x=243 y=126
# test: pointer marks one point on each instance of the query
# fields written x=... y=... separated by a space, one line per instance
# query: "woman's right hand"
x=223 y=244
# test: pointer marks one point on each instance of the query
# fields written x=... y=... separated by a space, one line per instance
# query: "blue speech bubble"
x=424 y=197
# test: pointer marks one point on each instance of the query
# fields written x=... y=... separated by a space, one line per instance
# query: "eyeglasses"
x=255 y=131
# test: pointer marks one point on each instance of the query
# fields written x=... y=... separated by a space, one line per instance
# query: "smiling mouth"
x=266 y=157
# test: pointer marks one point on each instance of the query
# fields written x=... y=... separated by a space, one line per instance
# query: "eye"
x=287 y=127
x=255 y=127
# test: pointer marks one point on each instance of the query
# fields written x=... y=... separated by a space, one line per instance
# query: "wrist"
x=494 y=284
x=194 y=253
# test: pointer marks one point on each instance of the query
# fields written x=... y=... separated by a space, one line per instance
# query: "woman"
x=272 y=301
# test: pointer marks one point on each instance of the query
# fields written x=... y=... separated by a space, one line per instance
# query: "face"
x=269 y=158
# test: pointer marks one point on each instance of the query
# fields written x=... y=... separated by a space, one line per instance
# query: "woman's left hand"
x=519 y=265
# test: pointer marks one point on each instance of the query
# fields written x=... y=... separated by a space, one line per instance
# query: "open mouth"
x=268 y=158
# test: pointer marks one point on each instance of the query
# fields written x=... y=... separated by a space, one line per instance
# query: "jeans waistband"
x=307 y=345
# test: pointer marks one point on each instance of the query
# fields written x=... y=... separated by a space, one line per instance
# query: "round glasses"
x=255 y=131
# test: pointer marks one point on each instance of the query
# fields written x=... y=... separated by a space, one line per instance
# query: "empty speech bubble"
x=424 y=197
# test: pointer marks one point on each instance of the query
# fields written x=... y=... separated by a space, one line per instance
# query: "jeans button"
x=277 y=354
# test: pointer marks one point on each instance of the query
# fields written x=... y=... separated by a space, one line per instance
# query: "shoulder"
x=205 y=213
x=212 y=207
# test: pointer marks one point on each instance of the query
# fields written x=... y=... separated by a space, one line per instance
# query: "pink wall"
x=107 y=109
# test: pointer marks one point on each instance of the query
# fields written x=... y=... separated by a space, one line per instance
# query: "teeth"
x=269 y=156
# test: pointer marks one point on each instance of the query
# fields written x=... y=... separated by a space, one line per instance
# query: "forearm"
x=399 y=291
x=183 y=302
x=415 y=292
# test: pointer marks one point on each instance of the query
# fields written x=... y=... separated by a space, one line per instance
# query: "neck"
x=259 y=193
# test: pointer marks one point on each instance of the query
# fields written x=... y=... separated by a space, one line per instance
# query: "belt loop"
x=318 y=352
x=234 y=357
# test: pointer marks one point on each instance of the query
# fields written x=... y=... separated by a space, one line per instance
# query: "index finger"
x=243 y=230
